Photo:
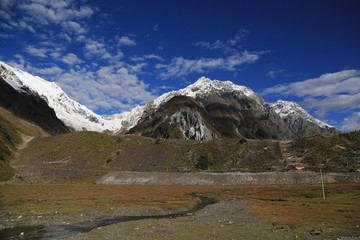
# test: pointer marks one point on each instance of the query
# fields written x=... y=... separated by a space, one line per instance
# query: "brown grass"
x=298 y=205
x=24 y=199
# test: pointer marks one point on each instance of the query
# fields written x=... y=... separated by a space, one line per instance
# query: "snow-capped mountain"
x=300 y=122
x=203 y=110
x=212 y=108
x=203 y=87
x=73 y=114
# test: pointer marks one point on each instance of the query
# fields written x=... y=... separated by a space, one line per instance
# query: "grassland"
x=339 y=152
x=243 y=212
x=12 y=133
x=83 y=157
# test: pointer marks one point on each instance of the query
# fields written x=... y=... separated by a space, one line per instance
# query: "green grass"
x=11 y=131
x=87 y=155
x=99 y=152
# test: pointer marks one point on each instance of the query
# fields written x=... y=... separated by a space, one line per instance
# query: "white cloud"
x=229 y=46
x=126 y=41
x=330 y=92
x=160 y=46
x=25 y=65
x=351 y=123
x=71 y=59
x=96 y=48
x=54 y=11
x=334 y=103
x=137 y=68
x=325 y=85
x=37 y=52
x=180 y=66
x=113 y=88
x=45 y=49
x=156 y=28
x=106 y=83
x=274 y=73
x=73 y=27
x=7 y=3
x=107 y=87
x=38 y=16
x=47 y=71
x=6 y=36
x=147 y=57
x=24 y=25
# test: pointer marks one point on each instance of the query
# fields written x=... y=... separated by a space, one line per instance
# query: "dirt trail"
x=289 y=157
x=26 y=139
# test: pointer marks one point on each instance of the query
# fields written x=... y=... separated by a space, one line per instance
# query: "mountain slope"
x=180 y=117
x=300 y=123
x=74 y=115
x=13 y=131
x=31 y=108
x=231 y=111
x=86 y=156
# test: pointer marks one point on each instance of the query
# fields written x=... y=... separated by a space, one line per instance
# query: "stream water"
x=65 y=231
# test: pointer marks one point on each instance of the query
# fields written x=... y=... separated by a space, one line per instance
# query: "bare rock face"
x=181 y=117
x=30 y=107
x=234 y=114
x=192 y=125
x=299 y=122
x=210 y=108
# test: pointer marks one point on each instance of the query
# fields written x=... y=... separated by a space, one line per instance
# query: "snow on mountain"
x=287 y=108
x=285 y=119
x=202 y=87
x=79 y=117
x=72 y=113
x=299 y=122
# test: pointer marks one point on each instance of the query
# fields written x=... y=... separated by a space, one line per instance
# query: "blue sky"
x=113 y=55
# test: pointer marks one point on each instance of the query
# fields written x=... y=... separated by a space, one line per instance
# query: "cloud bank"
x=330 y=92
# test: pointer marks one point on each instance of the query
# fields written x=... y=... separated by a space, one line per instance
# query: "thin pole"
x=322 y=184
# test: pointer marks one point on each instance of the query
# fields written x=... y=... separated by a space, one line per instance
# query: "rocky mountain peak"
x=299 y=121
x=289 y=108
x=204 y=86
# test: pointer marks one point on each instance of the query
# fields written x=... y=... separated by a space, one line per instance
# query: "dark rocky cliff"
x=31 y=108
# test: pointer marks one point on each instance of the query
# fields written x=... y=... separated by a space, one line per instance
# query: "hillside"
x=210 y=109
x=30 y=107
x=339 y=152
x=13 y=134
x=85 y=156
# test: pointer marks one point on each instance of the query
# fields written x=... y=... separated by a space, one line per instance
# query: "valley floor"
x=241 y=212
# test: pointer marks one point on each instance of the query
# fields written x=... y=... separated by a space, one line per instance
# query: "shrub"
x=204 y=162
x=242 y=141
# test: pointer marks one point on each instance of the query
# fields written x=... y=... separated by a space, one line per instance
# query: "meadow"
x=241 y=212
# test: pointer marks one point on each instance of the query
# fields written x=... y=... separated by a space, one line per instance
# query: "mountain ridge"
x=76 y=116
x=232 y=111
